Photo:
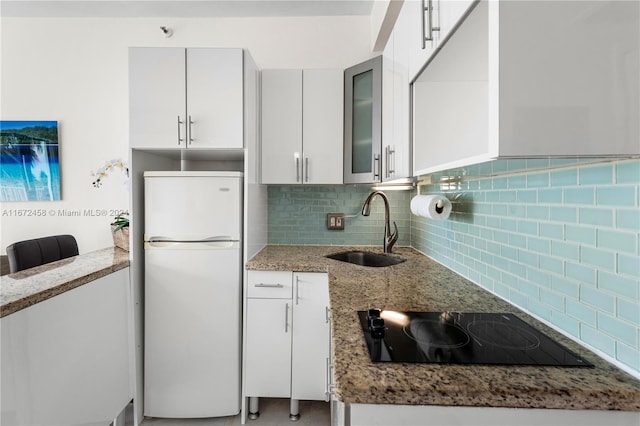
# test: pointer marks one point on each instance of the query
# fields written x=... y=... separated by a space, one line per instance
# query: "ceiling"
x=184 y=8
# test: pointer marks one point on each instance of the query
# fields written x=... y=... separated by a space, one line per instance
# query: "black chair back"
x=29 y=253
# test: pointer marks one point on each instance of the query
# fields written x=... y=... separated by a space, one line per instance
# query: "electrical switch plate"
x=335 y=221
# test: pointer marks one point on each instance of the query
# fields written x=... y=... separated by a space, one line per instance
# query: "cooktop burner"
x=460 y=338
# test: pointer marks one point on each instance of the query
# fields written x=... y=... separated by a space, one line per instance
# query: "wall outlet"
x=335 y=221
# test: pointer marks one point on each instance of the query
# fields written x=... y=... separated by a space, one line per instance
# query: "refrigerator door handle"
x=193 y=245
x=217 y=238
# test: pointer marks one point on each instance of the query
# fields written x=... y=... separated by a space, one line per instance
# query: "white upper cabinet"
x=396 y=143
x=214 y=98
x=363 y=122
x=531 y=79
x=157 y=99
x=322 y=124
x=281 y=126
x=428 y=24
x=186 y=98
x=450 y=14
x=302 y=116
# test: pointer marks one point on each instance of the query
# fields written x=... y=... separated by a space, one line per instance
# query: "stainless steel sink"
x=366 y=258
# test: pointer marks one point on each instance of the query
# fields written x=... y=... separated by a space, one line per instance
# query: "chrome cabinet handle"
x=263 y=285
x=297 y=290
x=391 y=161
x=306 y=169
x=424 y=36
x=327 y=392
x=386 y=159
x=327 y=314
x=286 y=318
x=190 y=131
x=376 y=166
x=297 y=168
x=179 y=132
x=331 y=387
x=427 y=34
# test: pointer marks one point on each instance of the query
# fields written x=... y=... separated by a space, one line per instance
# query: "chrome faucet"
x=389 y=238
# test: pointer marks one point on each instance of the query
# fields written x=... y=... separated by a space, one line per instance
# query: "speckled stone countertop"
x=420 y=284
x=30 y=286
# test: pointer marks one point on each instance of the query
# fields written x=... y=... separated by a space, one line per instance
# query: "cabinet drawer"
x=269 y=284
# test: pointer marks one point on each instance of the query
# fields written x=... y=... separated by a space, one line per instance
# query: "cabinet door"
x=397 y=148
x=268 y=348
x=363 y=122
x=451 y=98
x=588 y=102
x=322 y=125
x=281 y=126
x=450 y=15
x=388 y=101
x=311 y=334
x=157 y=98
x=214 y=98
x=419 y=51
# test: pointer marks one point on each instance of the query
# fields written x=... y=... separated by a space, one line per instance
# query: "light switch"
x=335 y=221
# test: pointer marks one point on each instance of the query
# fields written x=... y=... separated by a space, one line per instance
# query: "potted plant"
x=120 y=231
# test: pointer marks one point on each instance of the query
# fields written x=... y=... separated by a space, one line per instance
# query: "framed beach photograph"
x=29 y=162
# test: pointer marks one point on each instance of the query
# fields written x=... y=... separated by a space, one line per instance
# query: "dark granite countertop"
x=420 y=284
x=30 y=286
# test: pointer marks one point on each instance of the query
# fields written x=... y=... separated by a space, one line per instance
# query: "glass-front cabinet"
x=363 y=122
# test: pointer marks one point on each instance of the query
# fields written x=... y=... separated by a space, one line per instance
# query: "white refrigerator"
x=192 y=294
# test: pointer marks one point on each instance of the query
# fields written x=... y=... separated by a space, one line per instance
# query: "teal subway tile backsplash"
x=626 y=287
x=581 y=312
x=620 y=241
x=538 y=180
x=596 y=175
x=628 y=172
x=628 y=265
x=622 y=330
x=562 y=244
x=598 y=339
x=298 y=215
x=627 y=219
x=581 y=234
x=597 y=217
x=616 y=196
x=564 y=177
x=581 y=224
x=628 y=311
x=579 y=196
x=602 y=259
x=628 y=355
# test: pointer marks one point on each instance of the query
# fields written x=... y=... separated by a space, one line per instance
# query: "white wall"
x=75 y=71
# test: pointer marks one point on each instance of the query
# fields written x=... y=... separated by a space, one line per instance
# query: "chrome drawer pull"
x=263 y=285
x=179 y=132
x=286 y=318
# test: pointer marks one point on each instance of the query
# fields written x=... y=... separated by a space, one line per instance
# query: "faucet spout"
x=390 y=238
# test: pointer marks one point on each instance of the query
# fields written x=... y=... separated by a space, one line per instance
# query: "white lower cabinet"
x=287 y=336
x=68 y=360
x=410 y=415
x=268 y=350
x=311 y=336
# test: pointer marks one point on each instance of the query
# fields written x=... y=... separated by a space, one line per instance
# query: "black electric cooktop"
x=461 y=338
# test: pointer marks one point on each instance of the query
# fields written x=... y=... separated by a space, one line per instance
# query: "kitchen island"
x=420 y=284
x=67 y=341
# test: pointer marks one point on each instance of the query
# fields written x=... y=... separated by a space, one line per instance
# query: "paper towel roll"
x=434 y=207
